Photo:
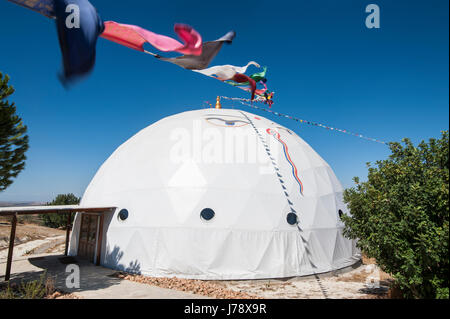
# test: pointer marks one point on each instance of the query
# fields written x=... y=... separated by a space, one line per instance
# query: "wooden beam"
x=9 y=211
x=100 y=239
x=69 y=223
x=12 y=237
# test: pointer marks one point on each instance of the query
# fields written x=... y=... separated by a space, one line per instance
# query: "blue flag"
x=77 y=42
x=78 y=25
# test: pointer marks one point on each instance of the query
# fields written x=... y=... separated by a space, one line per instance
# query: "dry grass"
x=368 y=261
x=43 y=288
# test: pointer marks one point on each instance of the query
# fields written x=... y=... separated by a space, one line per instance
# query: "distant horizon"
x=20 y=203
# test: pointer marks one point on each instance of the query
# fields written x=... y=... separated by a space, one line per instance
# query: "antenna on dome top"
x=218 y=105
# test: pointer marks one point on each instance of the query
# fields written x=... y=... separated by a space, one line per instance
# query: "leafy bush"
x=60 y=220
x=401 y=216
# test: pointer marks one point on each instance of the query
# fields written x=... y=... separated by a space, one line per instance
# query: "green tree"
x=60 y=220
x=13 y=138
x=400 y=216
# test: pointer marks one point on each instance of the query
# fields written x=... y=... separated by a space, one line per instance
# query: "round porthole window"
x=207 y=214
x=291 y=219
x=340 y=212
x=123 y=215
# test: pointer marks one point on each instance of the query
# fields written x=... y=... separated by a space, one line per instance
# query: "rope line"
x=303 y=239
x=243 y=102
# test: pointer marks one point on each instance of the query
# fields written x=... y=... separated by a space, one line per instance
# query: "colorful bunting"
x=209 y=51
x=235 y=76
x=135 y=37
x=226 y=72
x=261 y=94
x=77 y=44
x=233 y=73
x=242 y=101
x=242 y=78
x=258 y=77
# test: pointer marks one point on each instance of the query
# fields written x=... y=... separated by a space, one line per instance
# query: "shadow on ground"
x=62 y=270
x=91 y=277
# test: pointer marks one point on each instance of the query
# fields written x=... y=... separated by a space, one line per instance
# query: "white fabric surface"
x=226 y=72
x=164 y=178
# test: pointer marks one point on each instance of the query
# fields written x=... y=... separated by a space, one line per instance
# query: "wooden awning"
x=31 y=210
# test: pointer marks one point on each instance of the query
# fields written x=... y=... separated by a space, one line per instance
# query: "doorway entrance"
x=88 y=236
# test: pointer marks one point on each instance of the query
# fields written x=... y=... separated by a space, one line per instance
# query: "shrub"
x=60 y=220
x=400 y=216
x=35 y=289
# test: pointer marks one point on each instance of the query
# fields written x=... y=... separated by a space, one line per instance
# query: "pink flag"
x=135 y=37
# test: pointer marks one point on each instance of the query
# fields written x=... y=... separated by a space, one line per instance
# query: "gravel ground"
x=61 y=295
x=359 y=283
x=198 y=287
x=355 y=284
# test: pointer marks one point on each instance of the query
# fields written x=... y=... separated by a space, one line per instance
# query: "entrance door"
x=88 y=236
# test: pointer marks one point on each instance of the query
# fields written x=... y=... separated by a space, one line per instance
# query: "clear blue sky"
x=324 y=65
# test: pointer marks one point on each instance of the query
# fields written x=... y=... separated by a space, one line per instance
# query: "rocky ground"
x=361 y=283
x=364 y=282
x=198 y=287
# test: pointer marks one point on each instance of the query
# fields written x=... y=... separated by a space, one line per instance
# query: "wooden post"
x=100 y=239
x=69 y=221
x=11 y=247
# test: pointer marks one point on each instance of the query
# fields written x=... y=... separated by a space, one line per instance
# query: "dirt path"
x=37 y=246
x=30 y=239
x=54 y=244
x=26 y=233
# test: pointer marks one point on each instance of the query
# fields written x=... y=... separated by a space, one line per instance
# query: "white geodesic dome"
x=255 y=179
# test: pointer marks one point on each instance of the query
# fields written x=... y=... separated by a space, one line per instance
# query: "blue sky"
x=324 y=65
